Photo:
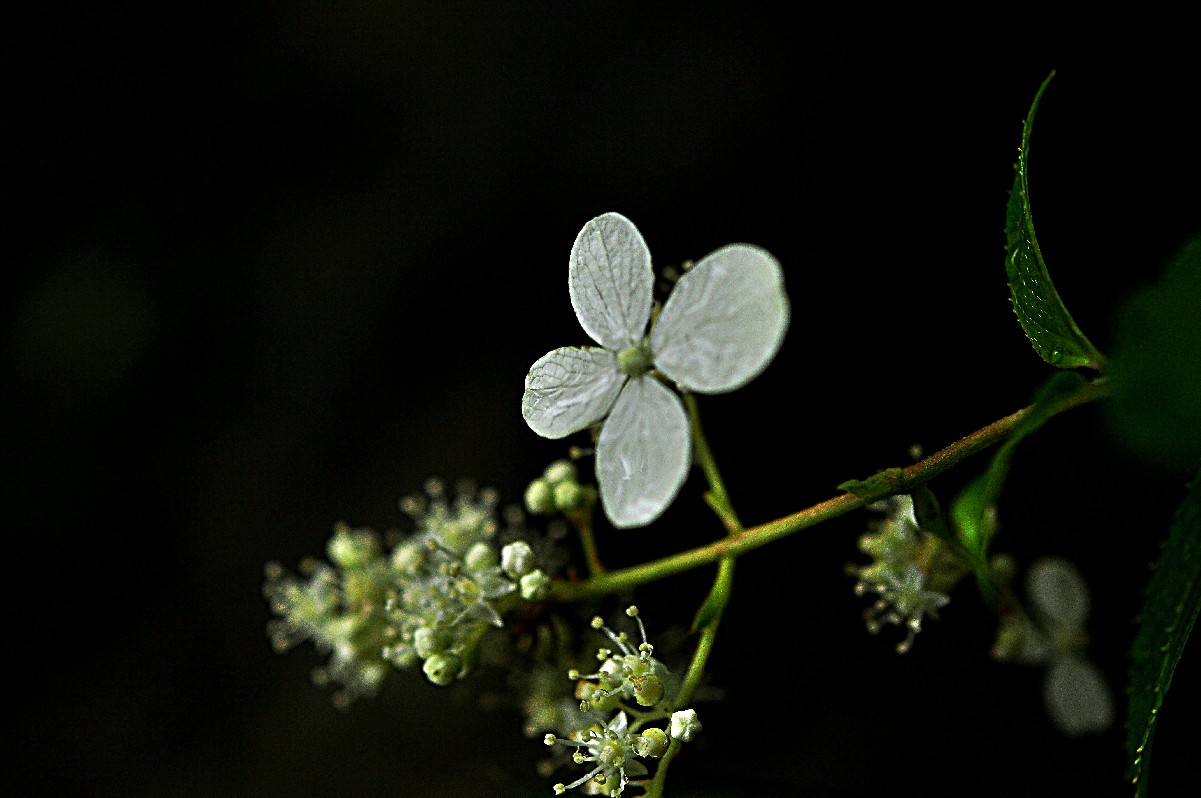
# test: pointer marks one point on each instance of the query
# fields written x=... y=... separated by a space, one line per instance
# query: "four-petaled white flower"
x=720 y=328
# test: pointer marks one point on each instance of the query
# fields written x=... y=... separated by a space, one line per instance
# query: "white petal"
x=643 y=453
x=1058 y=592
x=611 y=281
x=1077 y=697
x=569 y=389
x=723 y=322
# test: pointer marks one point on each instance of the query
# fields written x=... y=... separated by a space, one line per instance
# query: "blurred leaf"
x=1156 y=369
x=972 y=510
x=1041 y=312
x=928 y=512
x=1169 y=612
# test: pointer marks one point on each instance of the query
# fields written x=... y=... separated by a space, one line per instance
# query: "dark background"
x=274 y=264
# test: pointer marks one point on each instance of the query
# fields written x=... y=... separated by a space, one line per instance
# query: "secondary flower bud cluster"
x=429 y=601
x=558 y=490
x=910 y=571
x=629 y=682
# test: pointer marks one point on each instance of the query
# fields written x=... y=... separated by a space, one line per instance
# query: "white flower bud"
x=684 y=725
x=518 y=559
x=535 y=585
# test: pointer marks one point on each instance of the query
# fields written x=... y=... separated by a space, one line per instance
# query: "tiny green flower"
x=721 y=326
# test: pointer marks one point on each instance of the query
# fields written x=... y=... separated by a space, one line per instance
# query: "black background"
x=274 y=264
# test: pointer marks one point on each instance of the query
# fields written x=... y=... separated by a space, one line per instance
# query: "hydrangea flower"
x=1075 y=692
x=719 y=328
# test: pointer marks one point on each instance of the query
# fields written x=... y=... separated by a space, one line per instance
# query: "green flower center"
x=634 y=361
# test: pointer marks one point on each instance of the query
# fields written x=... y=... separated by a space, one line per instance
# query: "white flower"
x=684 y=725
x=720 y=328
x=1074 y=690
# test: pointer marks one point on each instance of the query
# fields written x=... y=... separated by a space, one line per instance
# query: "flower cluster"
x=1053 y=635
x=910 y=574
x=430 y=600
x=630 y=682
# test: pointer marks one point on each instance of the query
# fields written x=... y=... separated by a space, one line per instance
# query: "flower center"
x=634 y=361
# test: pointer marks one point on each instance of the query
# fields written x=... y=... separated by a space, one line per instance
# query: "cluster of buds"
x=339 y=606
x=428 y=601
x=628 y=680
x=910 y=574
x=558 y=490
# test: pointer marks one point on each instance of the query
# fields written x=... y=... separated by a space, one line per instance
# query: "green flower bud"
x=569 y=496
x=352 y=548
x=408 y=557
x=441 y=669
x=481 y=556
x=535 y=585
x=429 y=641
x=560 y=471
x=652 y=742
x=539 y=498
x=648 y=690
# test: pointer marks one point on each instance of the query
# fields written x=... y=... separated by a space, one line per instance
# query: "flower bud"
x=539 y=498
x=560 y=471
x=518 y=559
x=535 y=585
x=428 y=641
x=648 y=690
x=352 y=548
x=481 y=556
x=684 y=725
x=652 y=742
x=569 y=495
x=441 y=669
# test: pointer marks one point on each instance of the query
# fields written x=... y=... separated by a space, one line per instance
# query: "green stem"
x=708 y=617
x=717 y=497
x=582 y=521
x=887 y=483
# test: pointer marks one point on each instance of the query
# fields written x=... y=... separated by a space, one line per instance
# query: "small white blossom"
x=900 y=574
x=720 y=327
x=684 y=725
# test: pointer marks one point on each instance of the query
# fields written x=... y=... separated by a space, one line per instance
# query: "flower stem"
x=582 y=521
x=708 y=617
x=886 y=483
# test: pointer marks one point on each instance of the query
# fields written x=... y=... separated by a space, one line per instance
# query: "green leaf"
x=973 y=510
x=1169 y=612
x=1156 y=368
x=929 y=513
x=1041 y=312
